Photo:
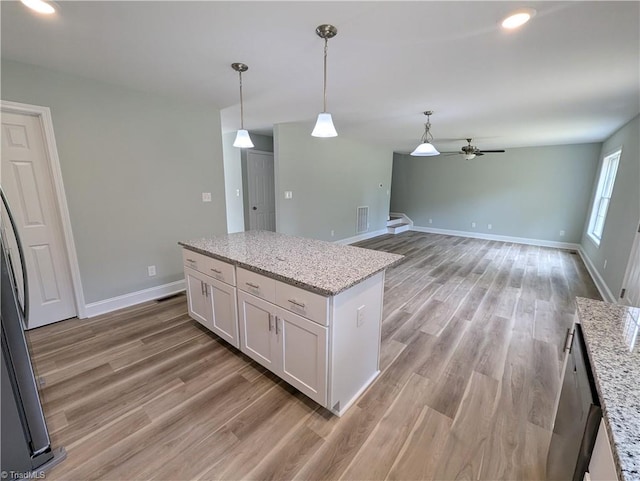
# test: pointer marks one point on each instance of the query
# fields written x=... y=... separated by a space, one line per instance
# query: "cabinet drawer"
x=215 y=268
x=257 y=284
x=302 y=302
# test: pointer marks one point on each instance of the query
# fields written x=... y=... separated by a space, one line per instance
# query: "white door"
x=261 y=196
x=28 y=185
x=196 y=300
x=303 y=353
x=224 y=317
x=257 y=330
x=631 y=283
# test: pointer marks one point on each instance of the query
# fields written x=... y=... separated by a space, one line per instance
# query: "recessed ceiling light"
x=39 y=6
x=518 y=18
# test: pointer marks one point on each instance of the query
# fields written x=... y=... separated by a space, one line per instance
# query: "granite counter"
x=611 y=334
x=315 y=265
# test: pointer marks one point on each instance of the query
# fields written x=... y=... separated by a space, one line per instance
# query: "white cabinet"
x=212 y=302
x=326 y=347
x=292 y=347
x=302 y=354
x=602 y=467
x=257 y=318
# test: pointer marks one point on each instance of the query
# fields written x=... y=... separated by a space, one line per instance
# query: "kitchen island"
x=310 y=311
x=611 y=336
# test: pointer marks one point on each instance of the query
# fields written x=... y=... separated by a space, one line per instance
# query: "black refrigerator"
x=25 y=443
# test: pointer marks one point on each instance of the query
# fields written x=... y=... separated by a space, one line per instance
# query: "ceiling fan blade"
x=478 y=153
x=492 y=151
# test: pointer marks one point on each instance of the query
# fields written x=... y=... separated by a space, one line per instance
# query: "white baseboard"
x=604 y=290
x=502 y=238
x=361 y=237
x=127 y=300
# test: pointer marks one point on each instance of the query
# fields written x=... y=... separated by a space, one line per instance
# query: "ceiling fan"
x=471 y=151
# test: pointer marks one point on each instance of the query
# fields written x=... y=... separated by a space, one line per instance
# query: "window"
x=603 y=196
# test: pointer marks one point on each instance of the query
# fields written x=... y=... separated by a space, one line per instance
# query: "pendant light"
x=426 y=148
x=324 y=125
x=243 y=140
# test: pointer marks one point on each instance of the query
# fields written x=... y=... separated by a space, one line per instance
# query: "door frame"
x=43 y=114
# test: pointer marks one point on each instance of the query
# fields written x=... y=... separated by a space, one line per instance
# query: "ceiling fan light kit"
x=426 y=148
x=324 y=125
x=470 y=152
x=243 y=140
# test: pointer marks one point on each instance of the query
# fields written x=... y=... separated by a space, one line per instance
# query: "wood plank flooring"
x=470 y=358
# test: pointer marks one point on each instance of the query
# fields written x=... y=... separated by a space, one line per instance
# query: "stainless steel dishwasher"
x=578 y=415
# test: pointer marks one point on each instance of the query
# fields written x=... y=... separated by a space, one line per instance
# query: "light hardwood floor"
x=470 y=363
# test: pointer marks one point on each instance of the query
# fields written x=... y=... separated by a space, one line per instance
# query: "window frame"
x=603 y=194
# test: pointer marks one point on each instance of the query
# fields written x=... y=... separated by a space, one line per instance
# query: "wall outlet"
x=333 y=232
x=206 y=197
x=237 y=192
x=360 y=316
x=489 y=226
x=473 y=224
x=430 y=221
x=562 y=233
x=288 y=194
x=605 y=264
x=151 y=271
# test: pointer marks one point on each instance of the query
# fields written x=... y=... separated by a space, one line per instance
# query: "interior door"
x=28 y=185
x=261 y=195
x=631 y=284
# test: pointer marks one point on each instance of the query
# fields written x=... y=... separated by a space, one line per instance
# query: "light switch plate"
x=288 y=194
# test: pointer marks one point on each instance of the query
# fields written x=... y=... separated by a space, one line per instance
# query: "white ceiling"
x=571 y=75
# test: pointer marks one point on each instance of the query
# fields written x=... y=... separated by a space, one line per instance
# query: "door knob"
x=254 y=208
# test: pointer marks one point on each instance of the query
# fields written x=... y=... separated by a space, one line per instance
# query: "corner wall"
x=531 y=193
x=623 y=216
x=134 y=167
x=329 y=179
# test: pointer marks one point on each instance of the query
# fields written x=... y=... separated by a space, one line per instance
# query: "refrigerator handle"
x=23 y=266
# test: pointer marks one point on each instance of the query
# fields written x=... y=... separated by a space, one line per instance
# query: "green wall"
x=624 y=210
x=134 y=166
x=329 y=179
x=532 y=192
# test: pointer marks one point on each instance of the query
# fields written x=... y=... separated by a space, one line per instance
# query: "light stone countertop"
x=322 y=267
x=611 y=334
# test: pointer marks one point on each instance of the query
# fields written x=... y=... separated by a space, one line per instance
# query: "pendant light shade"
x=324 y=125
x=243 y=140
x=426 y=148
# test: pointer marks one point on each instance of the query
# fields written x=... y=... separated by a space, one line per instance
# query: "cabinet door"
x=196 y=300
x=223 y=307
x=303 y=354
x=257 y=330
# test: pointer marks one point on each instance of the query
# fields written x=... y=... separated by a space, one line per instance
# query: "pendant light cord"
x=324 y=92
x=241 y=103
